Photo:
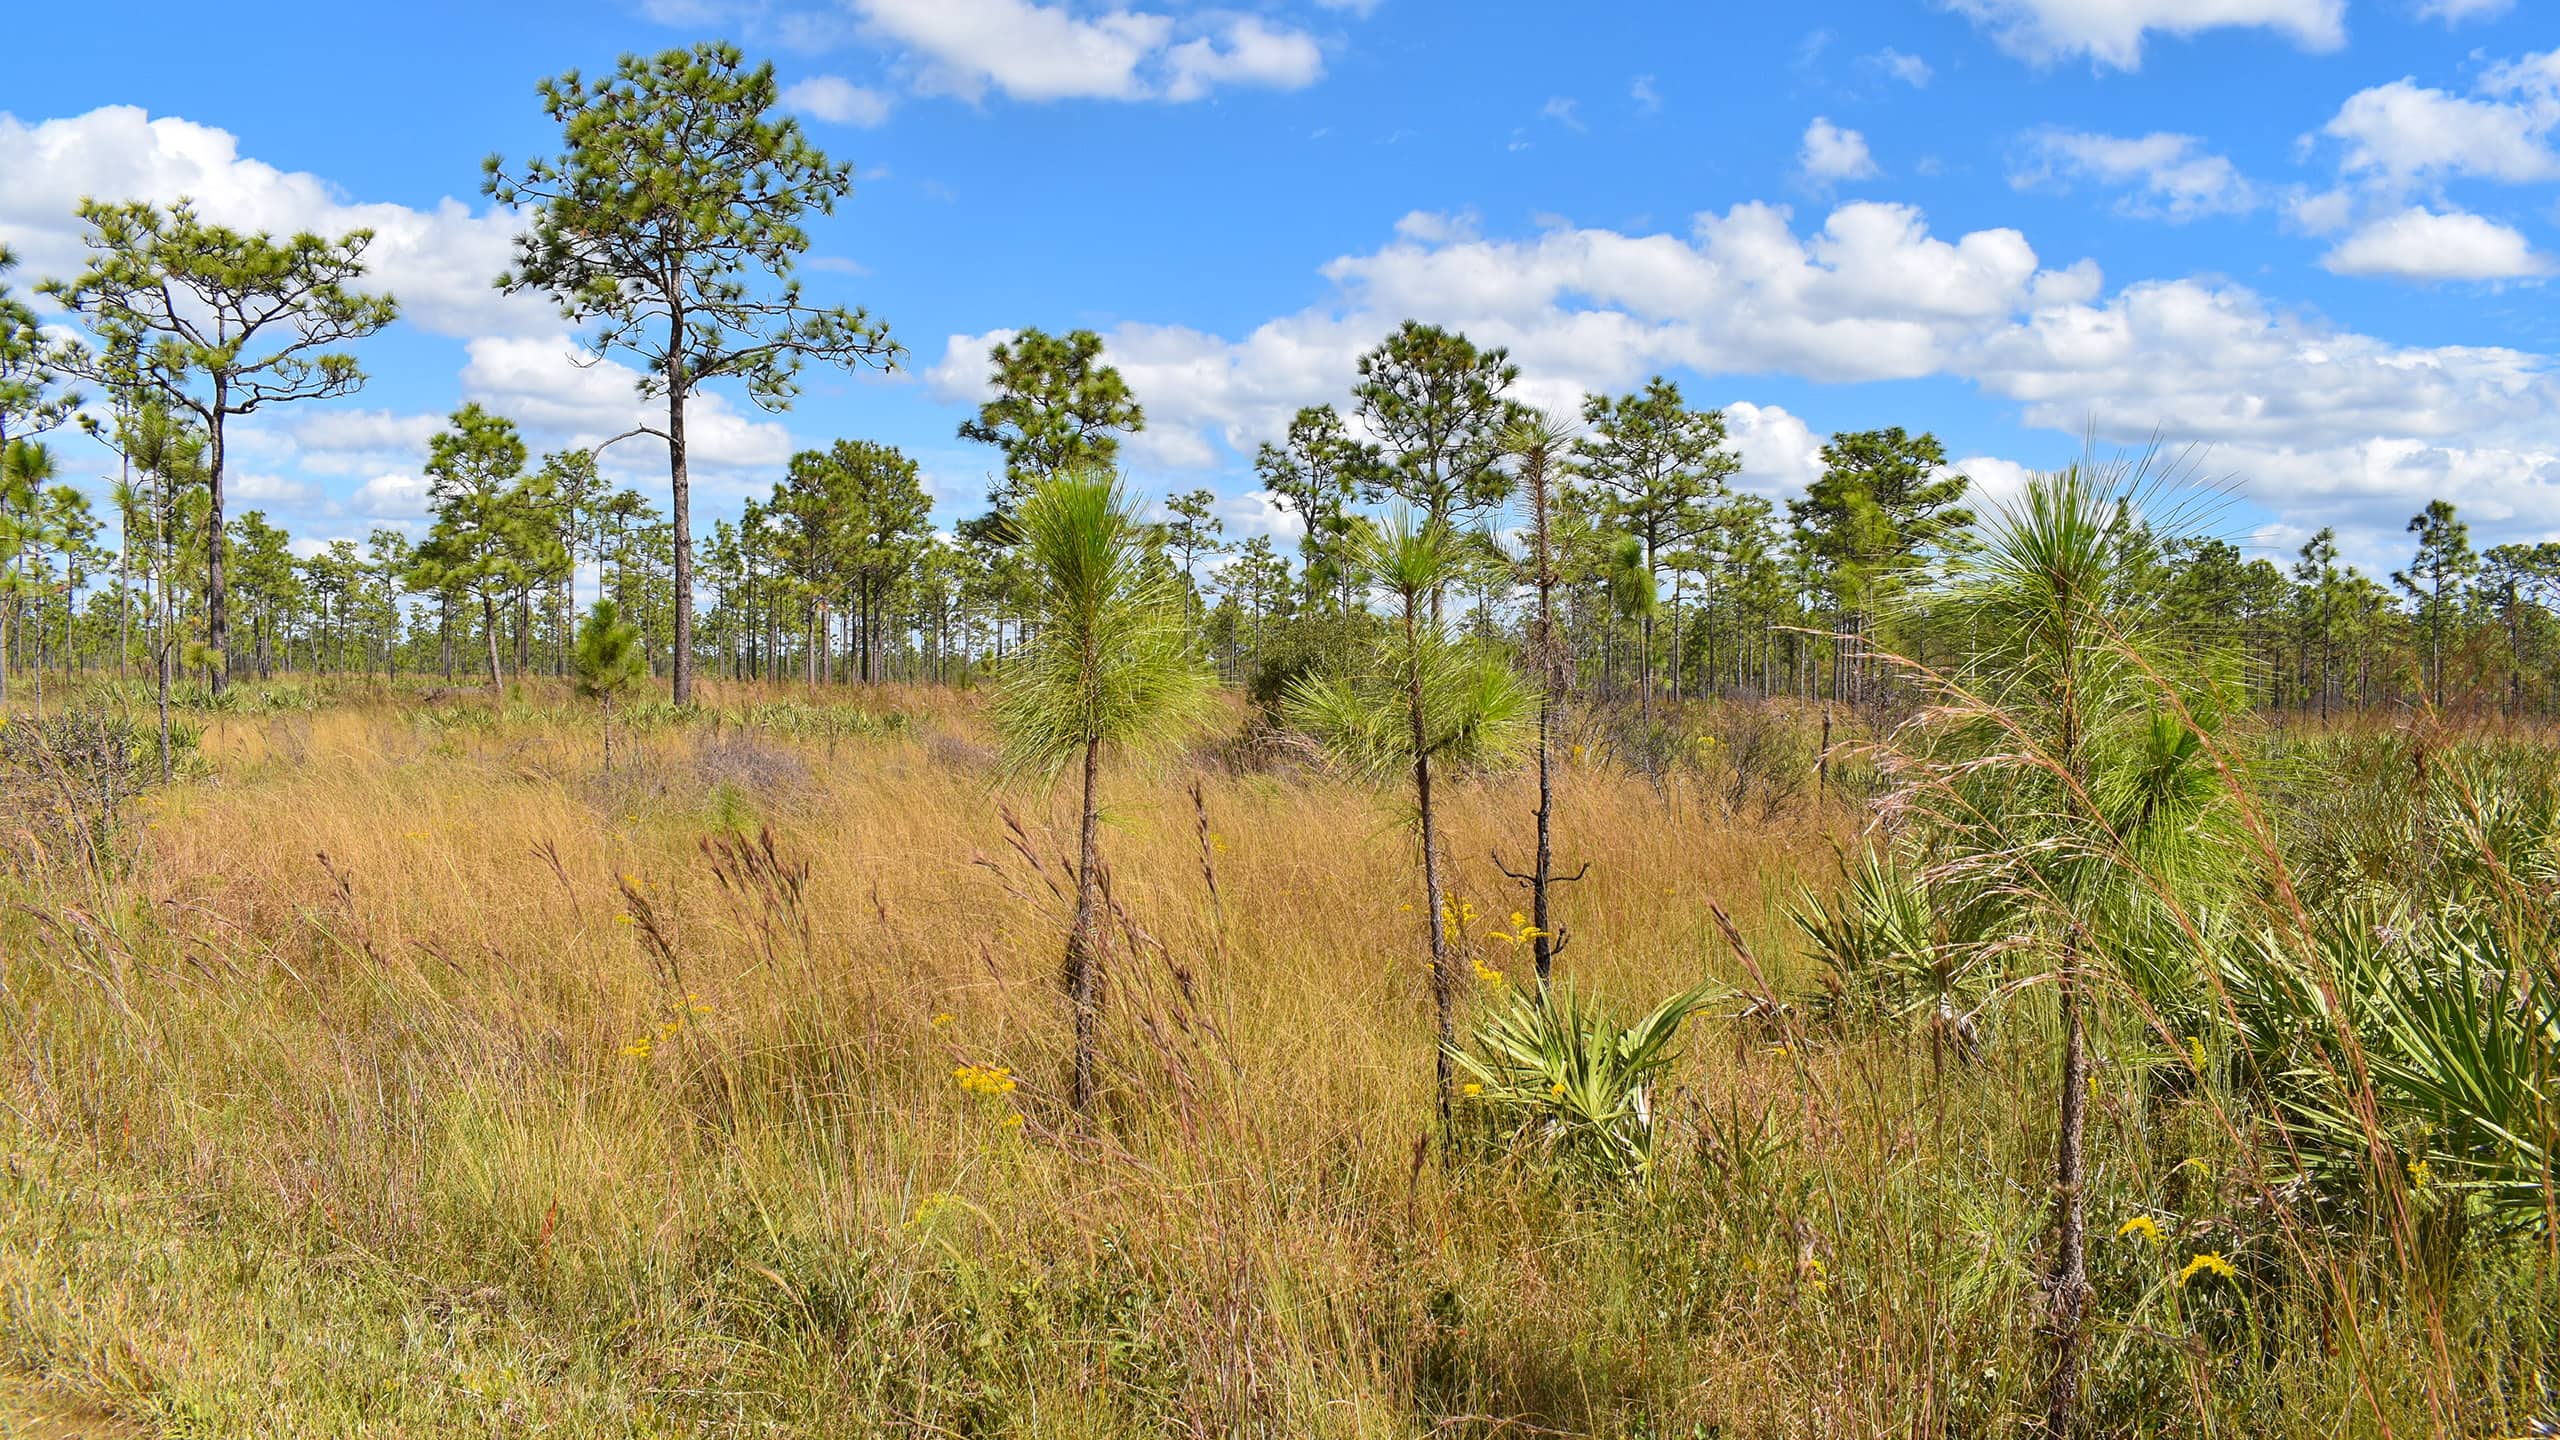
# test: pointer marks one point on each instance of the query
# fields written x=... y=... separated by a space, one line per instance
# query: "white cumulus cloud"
x=2422 y=244
x=837 y=100
x=440 y=262
x=2405 y=131
x=1832 y=153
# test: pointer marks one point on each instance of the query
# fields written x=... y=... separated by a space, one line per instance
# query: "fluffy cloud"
x=2422 y=244
x=396 y=496
x=2111 y=32
x=1245 y=52
x=1032 y=51
x=2404 y=131
x=1780 y=453
x=439 y=262
x=2214 y=362
x=251 y=489
x=2169 y=177
x=1831 y=153
x=837 y=100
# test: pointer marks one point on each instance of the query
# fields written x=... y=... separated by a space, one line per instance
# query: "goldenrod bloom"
x=2208 y=1263
x=2142 y=1225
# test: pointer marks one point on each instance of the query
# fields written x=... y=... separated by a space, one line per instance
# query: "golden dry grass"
x=423 y=1079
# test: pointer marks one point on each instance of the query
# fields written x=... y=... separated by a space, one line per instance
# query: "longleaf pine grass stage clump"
x=411 y=1076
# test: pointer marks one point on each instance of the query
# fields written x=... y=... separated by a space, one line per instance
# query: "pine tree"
x=1057 y=408
x=1110 y=664
x=236 y=324
x=607 y=660
x=674 y=189
x=1414 y=698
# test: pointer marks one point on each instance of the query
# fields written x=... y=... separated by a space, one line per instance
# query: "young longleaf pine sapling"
x=608 y=659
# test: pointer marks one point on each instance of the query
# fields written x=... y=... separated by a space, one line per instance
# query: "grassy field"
x=409 y=1074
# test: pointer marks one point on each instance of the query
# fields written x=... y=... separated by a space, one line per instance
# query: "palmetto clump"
x=1557 y=1071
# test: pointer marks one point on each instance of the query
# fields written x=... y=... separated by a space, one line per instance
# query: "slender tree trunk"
x=1444 y=994
x=2070 y=1283
x=1542 y=654
x=217 y=613
x=2068 y=1288
x=682 y=510
x=160 y=542
x=1084 y=948
x=489 y=628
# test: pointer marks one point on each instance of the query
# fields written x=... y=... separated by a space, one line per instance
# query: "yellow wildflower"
x=1472 y=1087
x=985 y=1079
x=638 y=1049
x=1518 y=920
x=1558 y=1092
x=2419 y=1173
x=1013 y=1121
x=2208 y=1263
x=2142 y=1225
x=2195 y=1054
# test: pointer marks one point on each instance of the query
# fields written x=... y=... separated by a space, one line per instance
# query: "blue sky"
x=2310 y=236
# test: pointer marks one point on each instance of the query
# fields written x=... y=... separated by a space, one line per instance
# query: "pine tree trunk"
x=489 y=628
x=2069 y=1287
x=1443 y=984
x=1084 y=949
x=2067 y=1290
x=217 y=602
x=681 y=511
